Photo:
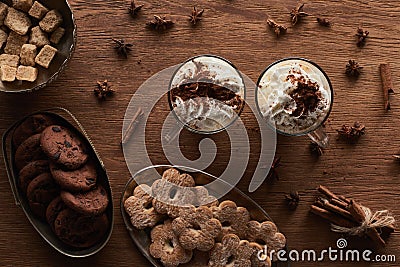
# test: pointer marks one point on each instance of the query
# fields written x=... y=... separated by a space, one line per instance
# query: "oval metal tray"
x=147 y=175
x=20 y=200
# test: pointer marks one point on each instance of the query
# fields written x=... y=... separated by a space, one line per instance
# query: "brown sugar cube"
x=23 y=5
x=38 y=10
x=7 y=73
x=17 y=21
x=3 y=12
x=38 y=37
x=9 y=60
x=51 y=21
x=15 y=43
x=26 y=73
x=56 y=36
x=45 y=56
x=3 y=38
x=28 y=54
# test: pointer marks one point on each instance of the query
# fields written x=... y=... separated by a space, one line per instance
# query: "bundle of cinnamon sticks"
x=347 y=214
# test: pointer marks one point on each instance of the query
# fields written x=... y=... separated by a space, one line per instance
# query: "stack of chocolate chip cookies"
x=58 y=176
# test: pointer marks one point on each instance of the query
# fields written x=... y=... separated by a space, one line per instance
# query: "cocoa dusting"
x=307 y=96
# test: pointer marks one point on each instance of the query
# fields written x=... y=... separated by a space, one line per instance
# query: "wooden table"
x=237 y=31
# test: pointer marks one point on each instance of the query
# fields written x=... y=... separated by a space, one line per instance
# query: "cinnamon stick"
x=359 y=216
x=332 y=217
x=330 y=207
x=339 y=203
x=132 y=126
x=387 y=83
x=325 y=191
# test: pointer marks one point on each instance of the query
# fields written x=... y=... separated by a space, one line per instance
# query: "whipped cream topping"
x=294 y=96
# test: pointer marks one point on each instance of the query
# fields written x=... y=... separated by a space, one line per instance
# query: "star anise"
x=122 y=47
x=324 y=22
x=273 y=174
x=277 y=28
x=316 y=149
x=352 y=133
x=361 y=37
x=353 y=68
x=103 y=89
x=133 y=9
x=195 y=16
x=160 y=23
x=292 y=200
x=297 y=13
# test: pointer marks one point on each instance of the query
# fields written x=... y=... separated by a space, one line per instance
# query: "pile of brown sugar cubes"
x=27 y=31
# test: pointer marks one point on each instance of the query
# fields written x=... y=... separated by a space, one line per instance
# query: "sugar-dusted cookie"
x=166 y=247
x=231 y=252
x=173 y=192
x=196 y=228
x=140 y=209
x=267 y=232
x=93 y=202
x=234 y=219
x=259 y=258
x=64 y=147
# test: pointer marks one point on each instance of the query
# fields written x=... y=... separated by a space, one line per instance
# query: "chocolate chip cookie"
x=54 y=208
x=64 y=147
x=30 y=171
x=32 y=125
x=78 y=230
x=41 y=191
x=29 y=151
x=93 y=202
x=80 y=180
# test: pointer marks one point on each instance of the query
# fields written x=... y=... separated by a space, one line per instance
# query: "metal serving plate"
x=20 y=200
x=142 y=237
x=65 y=49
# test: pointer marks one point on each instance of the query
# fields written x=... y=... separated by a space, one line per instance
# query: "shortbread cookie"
x=140 y=210
x=41 y=191
x=31 y=171
x=170 y=194
x=203 y=198
x=234 y=219
x=166 y=247
x=29 y=151
x=78 y=230
x=231 y=252
x=64 y=147
x=196 y=228
x=32 y=125
x=258 y=258
x=80 y=180
x=268 y=233
x=52 y=211
x=91 y=203
x=170 y=198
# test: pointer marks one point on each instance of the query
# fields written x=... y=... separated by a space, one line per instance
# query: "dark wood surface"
x=237 y=31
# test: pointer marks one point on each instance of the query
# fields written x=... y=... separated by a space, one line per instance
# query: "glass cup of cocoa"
x=295 y=96
x=206 y=94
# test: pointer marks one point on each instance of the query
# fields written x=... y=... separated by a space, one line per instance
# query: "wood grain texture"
x=235 y=30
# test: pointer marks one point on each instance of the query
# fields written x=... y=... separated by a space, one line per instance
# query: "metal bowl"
x=65 y=50
x=65 y=118
x=148 y=175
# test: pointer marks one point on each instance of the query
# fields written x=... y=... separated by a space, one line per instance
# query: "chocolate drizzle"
x=306 y=95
